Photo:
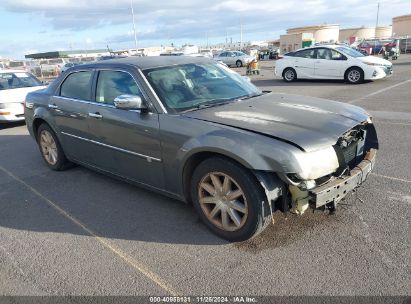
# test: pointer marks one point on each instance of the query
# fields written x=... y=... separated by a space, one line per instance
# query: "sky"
x=29 y=26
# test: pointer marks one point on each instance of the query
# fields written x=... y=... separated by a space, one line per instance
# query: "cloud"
x=206 y=15
x=193 y=20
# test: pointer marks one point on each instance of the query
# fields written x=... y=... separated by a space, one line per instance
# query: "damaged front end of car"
x=328 y=175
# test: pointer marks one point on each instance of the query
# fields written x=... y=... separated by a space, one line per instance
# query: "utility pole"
x=134 y=26
x=378 y=14
x=241 y=34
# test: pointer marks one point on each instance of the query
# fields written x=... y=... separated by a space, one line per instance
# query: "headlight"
x=317 y=163
x=374 y=64
x=6 y=105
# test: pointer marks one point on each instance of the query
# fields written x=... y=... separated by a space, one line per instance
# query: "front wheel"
x=239 y=63
x=229 y=200
x=354 y=76
x=50 y=148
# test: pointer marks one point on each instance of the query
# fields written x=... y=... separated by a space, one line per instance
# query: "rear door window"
x=77 y=85
x=324 y=53
x=305 y=53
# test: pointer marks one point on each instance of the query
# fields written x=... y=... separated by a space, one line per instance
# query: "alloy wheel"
x=222 y=201
x=354 y=76
x=48 y=147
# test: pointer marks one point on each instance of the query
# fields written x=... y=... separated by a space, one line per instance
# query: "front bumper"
x=380 y=72
x=14 y=112
x=336 y=189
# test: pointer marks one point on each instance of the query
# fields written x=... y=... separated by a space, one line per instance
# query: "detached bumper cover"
x=337 y=189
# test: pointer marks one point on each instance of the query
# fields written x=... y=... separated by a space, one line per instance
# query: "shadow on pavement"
x=9 y=125
x=300 y=82
x=112 y=208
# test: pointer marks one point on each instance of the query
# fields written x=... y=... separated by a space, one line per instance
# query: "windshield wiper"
x=251 y=96
x=214 y=103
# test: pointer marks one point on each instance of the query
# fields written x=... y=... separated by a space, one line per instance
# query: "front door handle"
x=95 y=115
x=53 y=106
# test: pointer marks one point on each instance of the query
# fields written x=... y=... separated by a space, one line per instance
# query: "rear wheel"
x=354 y=75
x=50 y=148
x=229 y=200
x=289 y=75
x=239 y=63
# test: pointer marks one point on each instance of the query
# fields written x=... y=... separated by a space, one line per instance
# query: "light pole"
x=134 y=26
x=241 y=34
x=378 y=13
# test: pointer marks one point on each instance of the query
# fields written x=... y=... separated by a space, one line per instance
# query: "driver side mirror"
x=129 y=102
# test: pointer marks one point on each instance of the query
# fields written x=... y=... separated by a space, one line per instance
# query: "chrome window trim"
x=96 y=103
x=99 y=104
x=123 y=71
x=148 y=158
x=64 y=79
x=152 y=91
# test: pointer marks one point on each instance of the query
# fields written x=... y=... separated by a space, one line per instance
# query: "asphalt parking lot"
x=81 y=233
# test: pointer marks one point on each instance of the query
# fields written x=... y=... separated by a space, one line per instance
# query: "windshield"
x=17 y=80
x=191 y=86
x=350 y=52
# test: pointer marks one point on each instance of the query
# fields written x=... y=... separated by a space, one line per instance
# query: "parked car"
x=405 y=45
x=23 y=65
x=197 y=131
x=68 y=65
x=3 y=66
x=232 y=58
x=52 y=66
x=373 y=46
x=14 y=86
x=332 y=62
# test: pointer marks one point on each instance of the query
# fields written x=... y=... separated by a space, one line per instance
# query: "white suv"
x=332 y=62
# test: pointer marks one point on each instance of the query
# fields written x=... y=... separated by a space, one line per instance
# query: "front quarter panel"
x=183 y=137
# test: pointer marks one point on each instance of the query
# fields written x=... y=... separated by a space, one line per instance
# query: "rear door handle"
x=53 y=106
x=95 y=115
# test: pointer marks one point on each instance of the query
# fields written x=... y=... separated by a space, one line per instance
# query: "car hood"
x=307 y=122
x=17 y=95
x=373 y=59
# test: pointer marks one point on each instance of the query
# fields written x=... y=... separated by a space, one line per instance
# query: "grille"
x=351 y=145
x=388 y=69
x=350 y=152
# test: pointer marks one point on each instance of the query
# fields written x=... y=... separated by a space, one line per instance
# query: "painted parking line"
x=379 y=91
x=104 y=242
x=392 y=178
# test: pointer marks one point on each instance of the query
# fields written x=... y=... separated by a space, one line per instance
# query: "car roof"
x=13 y=71
x=147 y=62
x=330 y=46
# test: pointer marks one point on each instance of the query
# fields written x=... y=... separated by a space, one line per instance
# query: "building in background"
x=361 y=33
x=401 y=26
x=299 y=37
x=71 y=53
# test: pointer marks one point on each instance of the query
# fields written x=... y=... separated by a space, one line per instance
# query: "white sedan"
x=14 y=86
x=332 y=62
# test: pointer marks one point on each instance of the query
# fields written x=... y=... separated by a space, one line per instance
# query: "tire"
x=50 y=149
x=239 y=63
x=354 y=75
x=289 y=75
x=250 y=214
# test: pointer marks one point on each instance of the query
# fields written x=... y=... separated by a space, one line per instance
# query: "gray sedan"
x=194 y=130
x=234 y=58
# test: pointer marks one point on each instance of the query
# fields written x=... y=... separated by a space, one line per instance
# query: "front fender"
x=253 y=151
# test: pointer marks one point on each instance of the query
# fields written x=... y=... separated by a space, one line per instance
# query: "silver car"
x=236 y=58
